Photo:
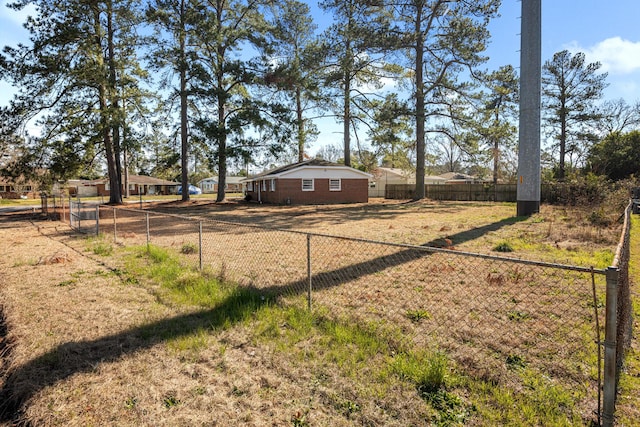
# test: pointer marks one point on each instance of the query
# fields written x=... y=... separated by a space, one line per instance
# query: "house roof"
x=211 y=178
x=231 y=179
x=140 y=180
x=149 y=180
x=458 y=176
x=313 y=163
x=395 y=171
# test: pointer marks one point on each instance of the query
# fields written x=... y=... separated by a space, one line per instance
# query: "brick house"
x=313 y=181
x=140 y=184
x=15 y=189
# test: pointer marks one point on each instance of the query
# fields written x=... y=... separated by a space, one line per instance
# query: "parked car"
x=192 y=189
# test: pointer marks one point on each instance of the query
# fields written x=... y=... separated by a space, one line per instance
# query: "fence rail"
x=489 y=192
x=493 y=315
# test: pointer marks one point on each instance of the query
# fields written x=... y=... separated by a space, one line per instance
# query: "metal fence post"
x=309 y=271
x=146 y=215
x=115 y=223
x=200 y=242
x=97 y=220
x=610 y=338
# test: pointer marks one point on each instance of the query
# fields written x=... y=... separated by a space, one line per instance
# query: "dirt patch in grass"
x=89 y=345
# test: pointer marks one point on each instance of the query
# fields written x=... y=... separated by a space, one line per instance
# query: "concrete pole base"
x=527 y=208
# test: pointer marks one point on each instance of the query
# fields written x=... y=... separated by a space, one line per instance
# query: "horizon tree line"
x=225 y=83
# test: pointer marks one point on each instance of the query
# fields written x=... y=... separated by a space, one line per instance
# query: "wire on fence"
x=496 y=317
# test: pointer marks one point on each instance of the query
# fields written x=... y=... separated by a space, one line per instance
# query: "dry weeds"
x=81 y=352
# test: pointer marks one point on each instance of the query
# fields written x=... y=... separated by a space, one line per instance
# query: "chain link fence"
x=492 y=315
x=624 y=316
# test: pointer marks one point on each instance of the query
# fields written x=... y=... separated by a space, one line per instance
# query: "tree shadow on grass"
x=71 y=358
x=21 y=384
x=339 y=276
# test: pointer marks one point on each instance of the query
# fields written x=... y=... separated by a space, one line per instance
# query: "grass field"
x=106 y=334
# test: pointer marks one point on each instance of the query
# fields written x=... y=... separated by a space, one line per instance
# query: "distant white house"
x=434 y=179
x=385 y=176
x=233 y=184
x=459 y=178
x=208 y=185
x=82 y=187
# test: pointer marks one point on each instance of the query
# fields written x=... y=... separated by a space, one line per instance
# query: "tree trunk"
x=563 y=144
x=300 y=124
x=115 y=189
x=113 y=96
x=496 y=151
x=222 y=148
x=420 y=111
x=347 y=119
x=184 y=155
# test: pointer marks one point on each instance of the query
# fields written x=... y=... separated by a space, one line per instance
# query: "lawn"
x=106 y=334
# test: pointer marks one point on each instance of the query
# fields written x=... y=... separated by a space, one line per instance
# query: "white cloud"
x=16 y=16
x=617 y=56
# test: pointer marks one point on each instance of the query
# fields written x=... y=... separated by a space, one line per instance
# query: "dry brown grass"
x=81 y=352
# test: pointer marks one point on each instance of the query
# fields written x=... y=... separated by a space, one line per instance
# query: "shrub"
x=503 y=247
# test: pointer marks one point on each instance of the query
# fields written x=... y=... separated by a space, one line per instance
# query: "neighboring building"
x=81 y=188
x=460 y=178
x=233 y=184
x=381 y=177
x=208 y=185
x=313 y=181
x=10 y=189
x=140 y=185
x=434 y=179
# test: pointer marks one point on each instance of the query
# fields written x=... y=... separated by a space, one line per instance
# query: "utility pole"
x=528 y=199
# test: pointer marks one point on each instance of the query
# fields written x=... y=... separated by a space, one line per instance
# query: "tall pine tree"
x=69 y=75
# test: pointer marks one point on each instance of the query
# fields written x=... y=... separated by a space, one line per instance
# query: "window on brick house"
x=307 y=185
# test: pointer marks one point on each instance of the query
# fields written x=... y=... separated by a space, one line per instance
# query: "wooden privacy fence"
x=556 y=192
x=457 y=192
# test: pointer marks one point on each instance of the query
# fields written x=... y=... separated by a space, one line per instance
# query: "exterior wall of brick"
x=289 y=191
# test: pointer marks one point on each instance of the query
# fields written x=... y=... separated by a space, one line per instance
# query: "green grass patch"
x=99 y=246
x=189 y=248
x=427 y=370
x=418 y=315
x=503 y=246
x=539 y=402
x=377 y=359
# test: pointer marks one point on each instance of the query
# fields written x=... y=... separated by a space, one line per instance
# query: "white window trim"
x=307 y=181
x=264 y=185
x=339 y=184
x=272 y=184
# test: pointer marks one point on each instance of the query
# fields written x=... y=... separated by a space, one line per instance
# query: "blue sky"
x=606 y=31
